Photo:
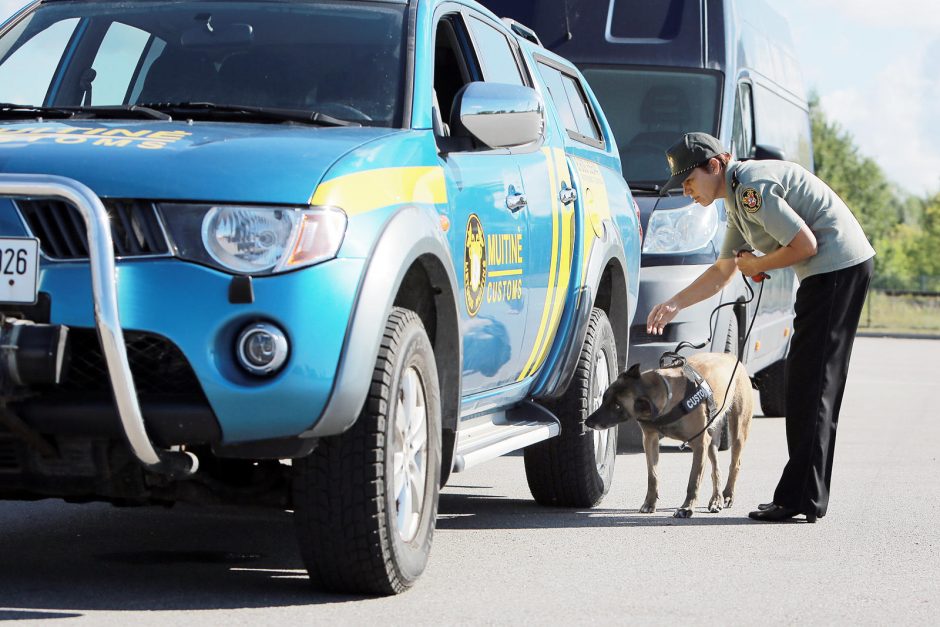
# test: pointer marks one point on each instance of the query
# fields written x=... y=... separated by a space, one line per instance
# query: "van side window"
x=742 y=134
x=571 y=102
x=781 y=123
x=496 y=56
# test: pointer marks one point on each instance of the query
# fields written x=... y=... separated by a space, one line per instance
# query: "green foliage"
x=857 y=179
x=905 y=230
x=928 y=243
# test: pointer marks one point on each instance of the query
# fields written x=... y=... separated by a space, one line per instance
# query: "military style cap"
x=690 y=152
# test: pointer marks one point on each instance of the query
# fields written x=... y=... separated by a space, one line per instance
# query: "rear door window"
x=492 y=46
x=571 y=102
x=25 y=75
x=116 y=62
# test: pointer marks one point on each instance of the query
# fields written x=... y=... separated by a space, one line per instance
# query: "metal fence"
x=903 y=310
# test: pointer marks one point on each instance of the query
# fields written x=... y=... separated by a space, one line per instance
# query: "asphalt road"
x=499 y=559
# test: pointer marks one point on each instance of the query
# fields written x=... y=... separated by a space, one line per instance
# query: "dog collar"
x=697 y=391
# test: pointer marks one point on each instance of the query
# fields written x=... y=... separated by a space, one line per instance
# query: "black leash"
x=672 y=359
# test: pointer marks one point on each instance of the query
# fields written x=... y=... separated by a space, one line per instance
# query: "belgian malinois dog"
x=656 y=393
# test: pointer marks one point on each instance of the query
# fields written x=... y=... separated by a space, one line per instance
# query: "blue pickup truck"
x=313 y=254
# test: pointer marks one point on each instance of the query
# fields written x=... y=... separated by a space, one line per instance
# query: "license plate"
x=19 y=269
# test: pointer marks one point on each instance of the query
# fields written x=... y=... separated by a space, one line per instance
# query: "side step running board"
x=504 y=432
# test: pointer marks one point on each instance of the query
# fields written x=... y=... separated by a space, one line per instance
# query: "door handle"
x=514 y=200
x=567 y=195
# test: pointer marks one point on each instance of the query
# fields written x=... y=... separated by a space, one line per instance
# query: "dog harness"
x=697 y=391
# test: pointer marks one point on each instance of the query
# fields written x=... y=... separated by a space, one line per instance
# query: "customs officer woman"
x=785 y=212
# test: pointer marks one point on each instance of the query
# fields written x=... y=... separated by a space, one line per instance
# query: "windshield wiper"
x=116 y=111
x=13 y=110
x=121 y=111
x=273 y=114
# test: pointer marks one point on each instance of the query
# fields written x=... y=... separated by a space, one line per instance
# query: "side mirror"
x=763 y=151
x=498 y=115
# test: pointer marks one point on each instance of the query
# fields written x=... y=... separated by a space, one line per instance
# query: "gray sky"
x=876 y=67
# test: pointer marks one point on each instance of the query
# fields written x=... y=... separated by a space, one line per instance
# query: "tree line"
x=903 y=228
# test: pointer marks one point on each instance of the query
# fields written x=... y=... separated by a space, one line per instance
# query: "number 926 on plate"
x=19 y=269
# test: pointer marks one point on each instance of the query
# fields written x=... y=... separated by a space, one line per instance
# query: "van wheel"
x=772 y=387
x=366 y=501
x=575 y=468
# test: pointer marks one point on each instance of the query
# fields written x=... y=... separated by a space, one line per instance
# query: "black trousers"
x=828 y=307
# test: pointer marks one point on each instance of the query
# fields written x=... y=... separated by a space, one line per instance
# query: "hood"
x=202 y=161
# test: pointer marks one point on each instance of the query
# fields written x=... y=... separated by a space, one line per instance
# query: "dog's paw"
x=714 y=506
x=648 y=508
x=729 y=500
x=683 y=513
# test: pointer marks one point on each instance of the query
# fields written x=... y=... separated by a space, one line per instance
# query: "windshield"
x=649 y=110
x=340 y=59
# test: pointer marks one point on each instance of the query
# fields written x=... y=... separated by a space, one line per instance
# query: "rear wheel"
x=366 y=501
x=575 y=469
x=772 y=386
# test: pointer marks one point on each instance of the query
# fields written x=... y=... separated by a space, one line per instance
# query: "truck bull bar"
x=177 y=464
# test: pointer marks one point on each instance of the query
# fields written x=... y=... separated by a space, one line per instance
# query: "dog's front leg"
x=714 y=505
x=695 y=479
x=651 y=448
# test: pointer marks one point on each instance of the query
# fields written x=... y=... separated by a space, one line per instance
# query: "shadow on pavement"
x=33 y=615
x=471 y=511
x=94 y=557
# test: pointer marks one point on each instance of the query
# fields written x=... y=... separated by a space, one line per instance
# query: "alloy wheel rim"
x=409 y=453
x=601 y=380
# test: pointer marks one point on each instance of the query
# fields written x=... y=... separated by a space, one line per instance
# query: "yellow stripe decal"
x=550 y=288
x=596 y=203
x=368 y=190
x=497 y=273
x=564 y=269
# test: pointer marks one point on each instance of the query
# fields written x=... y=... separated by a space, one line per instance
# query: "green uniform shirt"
x=773 y=199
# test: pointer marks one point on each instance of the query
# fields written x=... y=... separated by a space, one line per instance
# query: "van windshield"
x=649 y=110
x=339 y=58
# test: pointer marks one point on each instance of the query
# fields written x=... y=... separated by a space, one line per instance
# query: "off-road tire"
x=772 y=386
x=564 y=471
x=345 y=510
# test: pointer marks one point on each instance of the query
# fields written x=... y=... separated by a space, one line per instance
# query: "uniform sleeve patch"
x=751 y=200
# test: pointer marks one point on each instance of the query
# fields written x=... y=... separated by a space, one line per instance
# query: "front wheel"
x=366 y=501
x=576 y=468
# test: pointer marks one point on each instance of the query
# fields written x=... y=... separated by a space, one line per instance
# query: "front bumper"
x=189 y=306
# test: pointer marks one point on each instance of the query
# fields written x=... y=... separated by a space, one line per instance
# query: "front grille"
x=135 y=228
x=158 y=366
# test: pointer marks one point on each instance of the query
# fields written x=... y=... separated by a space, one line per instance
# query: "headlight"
x=254 y=240
x=682 y=230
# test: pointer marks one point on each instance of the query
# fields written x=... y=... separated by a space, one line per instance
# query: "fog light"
x=262 y=348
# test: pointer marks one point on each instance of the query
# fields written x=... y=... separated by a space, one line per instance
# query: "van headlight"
x=681 y=230
x=252 y=239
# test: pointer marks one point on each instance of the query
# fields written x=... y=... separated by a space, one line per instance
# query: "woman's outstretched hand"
x=661 y=315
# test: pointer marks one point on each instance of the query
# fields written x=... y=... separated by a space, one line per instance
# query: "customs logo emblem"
x=474 y=264
x=751 y=200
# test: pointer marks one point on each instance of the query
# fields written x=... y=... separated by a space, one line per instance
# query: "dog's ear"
x=633 y=372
